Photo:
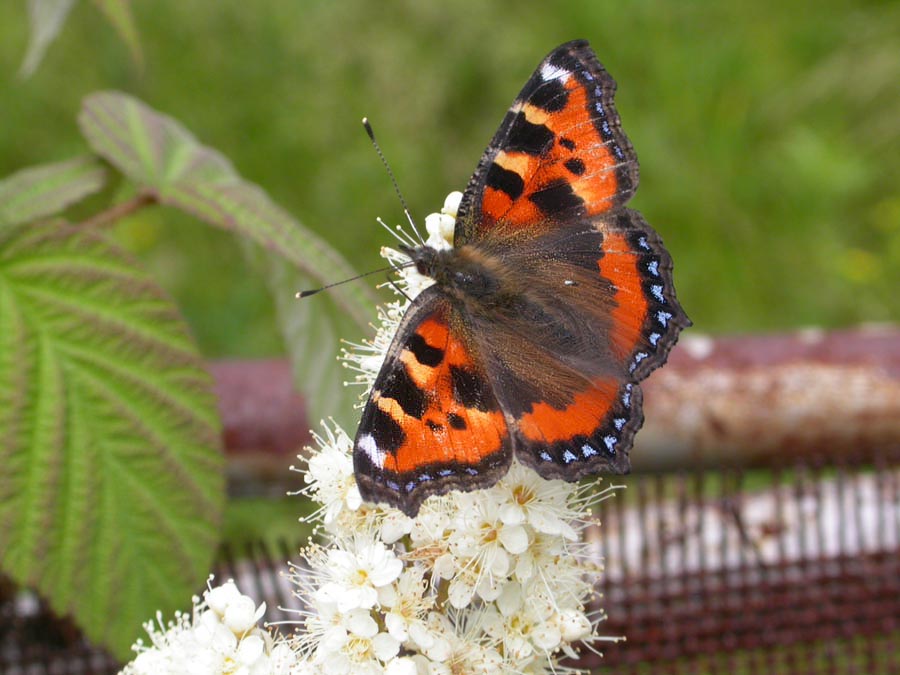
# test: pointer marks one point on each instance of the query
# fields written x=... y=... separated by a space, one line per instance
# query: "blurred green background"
x=768 y=134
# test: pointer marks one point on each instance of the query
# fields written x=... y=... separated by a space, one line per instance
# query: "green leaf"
x=157 y=152
x=41 y=191
x=118 y=13
x=163 y=157
x=46 y=18
x=112 y=485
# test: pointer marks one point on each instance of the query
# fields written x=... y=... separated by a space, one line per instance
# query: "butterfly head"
x=460 y=272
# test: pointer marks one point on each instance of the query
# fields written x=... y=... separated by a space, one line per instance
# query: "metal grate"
x=729 y=571
x=800 y=566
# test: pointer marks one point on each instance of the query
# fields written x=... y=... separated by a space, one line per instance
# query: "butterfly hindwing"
x=560 y=152
x=598 y=315
x=646 y=315
x=593 y=432
x=432 y=422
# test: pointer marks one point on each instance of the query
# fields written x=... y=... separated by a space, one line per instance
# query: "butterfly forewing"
x=432 y=422
x=559 y=153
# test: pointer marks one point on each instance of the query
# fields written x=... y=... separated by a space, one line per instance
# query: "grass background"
x=768 y=134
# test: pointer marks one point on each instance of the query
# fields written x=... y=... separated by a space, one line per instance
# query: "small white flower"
x=329 y=474
x=220 y=637
x=220 y=597
x=357 y=573
x=407 y=606
x=355 y=646
x=574 y=625
x=242 y=614
x=529 y=499
x=394 y=526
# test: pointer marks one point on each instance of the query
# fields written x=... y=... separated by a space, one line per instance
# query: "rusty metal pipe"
x=737 y=400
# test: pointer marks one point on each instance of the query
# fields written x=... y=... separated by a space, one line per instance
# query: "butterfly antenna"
x=387 y=167
x=306 y=294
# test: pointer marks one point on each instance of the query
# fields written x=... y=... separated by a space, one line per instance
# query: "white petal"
x=223 y=640
x=439 y=651
x=388 y=570
x=240 y=615
x=218 y=598
x=574 y=625
x=445 y=566
x=328 y=593
x=514 y=539
x=340 y=561
x=353 y=498
x=489 y=589
x=333 y=639
x=512 y=514
x=150 y=662
x=388 y=596
x=361 y=623
x=499 y=563
x=492 y=623
x=396 y=626
x=282 y=658
x=524 y=567
x=356 y=597
x=419 y=634
x=336 y=664
x=250 y=650
x=517 y=647
x=491 y=660
x=395 y=526
x=433 y=224
x=546 y=636
x=451 y=203
x=402 y=666
x=510 y=599
x=206 y=626
x=460 y=593
x=546 y=521
x=385 y=646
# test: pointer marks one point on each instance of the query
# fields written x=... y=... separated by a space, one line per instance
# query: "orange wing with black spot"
x=636 y=321
x=560 y=152
x=432 y=422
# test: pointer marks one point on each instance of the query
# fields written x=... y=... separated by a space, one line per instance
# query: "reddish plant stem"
x=120 y=210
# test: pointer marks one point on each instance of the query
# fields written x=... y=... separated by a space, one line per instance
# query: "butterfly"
x=553 y=303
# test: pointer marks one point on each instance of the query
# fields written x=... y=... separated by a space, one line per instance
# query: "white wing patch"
x=550 y=72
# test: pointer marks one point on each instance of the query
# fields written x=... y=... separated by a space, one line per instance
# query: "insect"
x=552 y=305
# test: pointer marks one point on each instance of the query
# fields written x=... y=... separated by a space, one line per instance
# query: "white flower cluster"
x=219 y=637
x=492 y=581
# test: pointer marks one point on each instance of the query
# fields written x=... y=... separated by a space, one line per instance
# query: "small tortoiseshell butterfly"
x=553 y=303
